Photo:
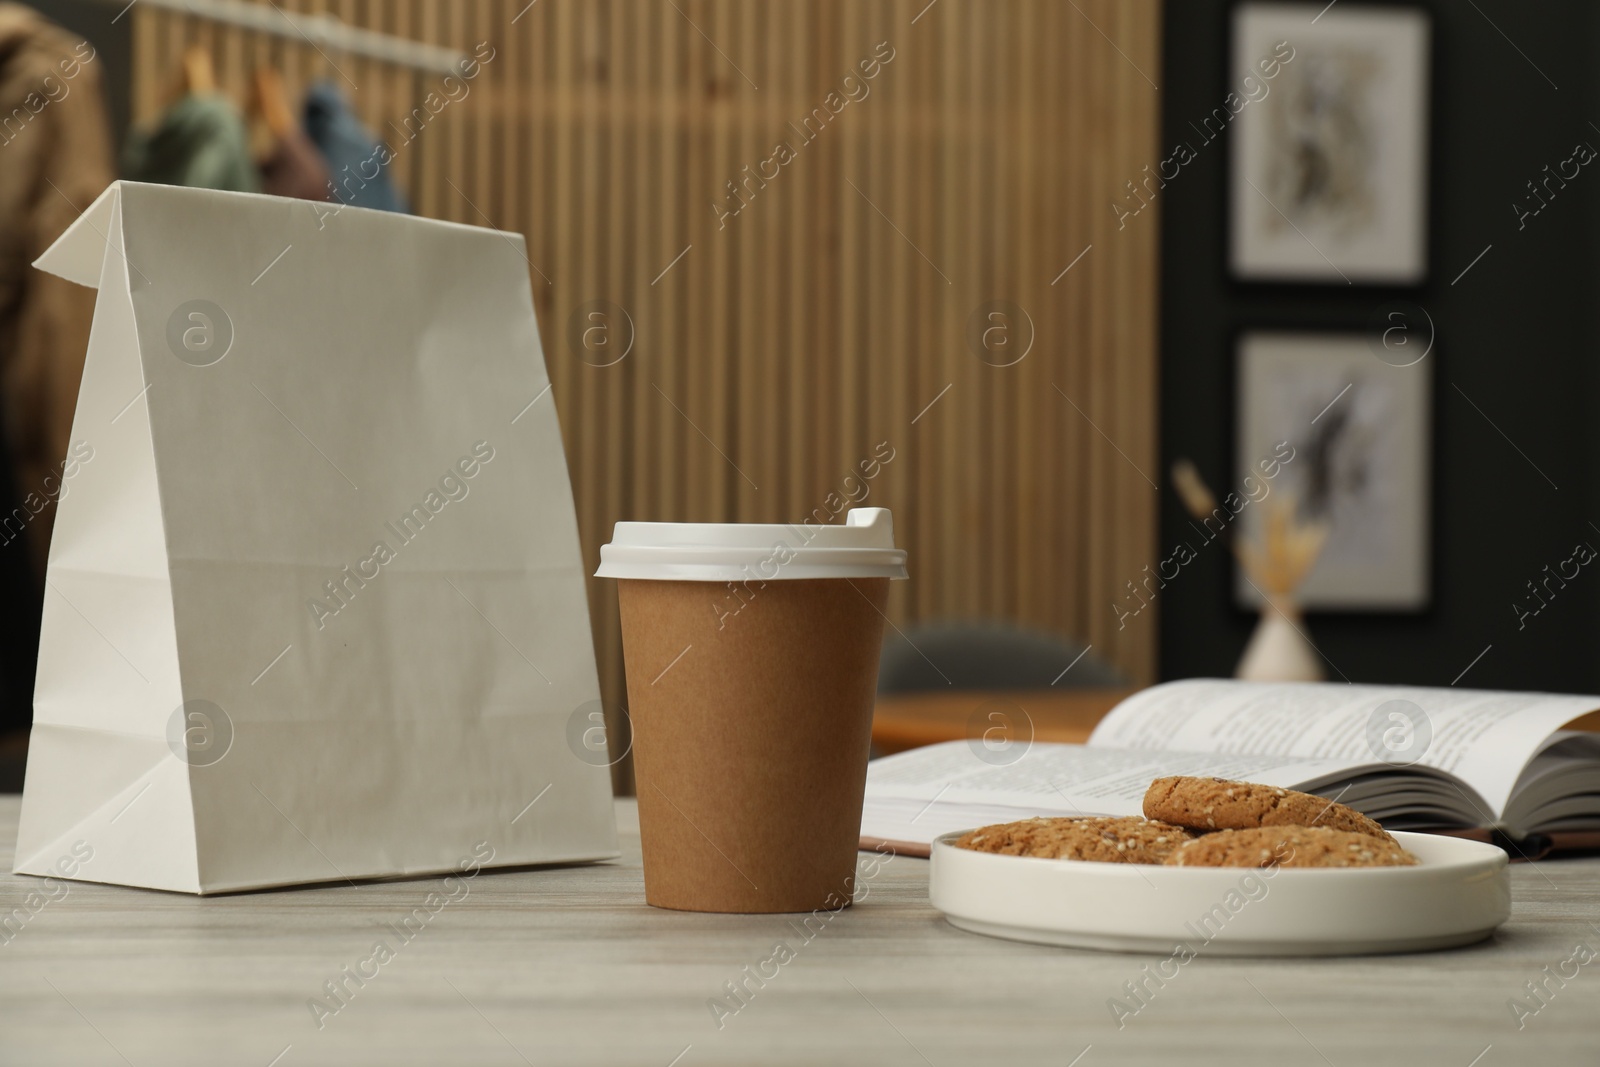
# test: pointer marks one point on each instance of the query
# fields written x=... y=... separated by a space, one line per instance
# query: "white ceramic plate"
x=1457 y=894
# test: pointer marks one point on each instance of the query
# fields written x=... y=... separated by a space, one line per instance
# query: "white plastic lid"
x=759 y=552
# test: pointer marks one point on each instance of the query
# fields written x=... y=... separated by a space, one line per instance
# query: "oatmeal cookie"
x=1217 y=804
x=1104 y=839
x=1289 y=846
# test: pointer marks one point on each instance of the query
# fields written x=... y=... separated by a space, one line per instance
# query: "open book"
x=1469 y=762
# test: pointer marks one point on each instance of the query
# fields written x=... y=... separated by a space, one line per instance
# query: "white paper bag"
x=315 y=607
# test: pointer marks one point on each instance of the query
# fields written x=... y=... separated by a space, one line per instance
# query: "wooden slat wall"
x=780 y=349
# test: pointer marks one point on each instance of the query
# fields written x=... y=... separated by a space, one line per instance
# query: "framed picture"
x=1329 y=143
x=1358 y=437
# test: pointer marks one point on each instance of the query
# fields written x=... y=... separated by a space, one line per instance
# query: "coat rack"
x=323 y=32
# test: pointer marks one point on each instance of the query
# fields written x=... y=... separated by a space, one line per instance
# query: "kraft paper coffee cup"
x=752 y=661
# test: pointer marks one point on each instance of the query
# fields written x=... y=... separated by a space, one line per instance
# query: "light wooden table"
x=911 y=720
x=571 y=966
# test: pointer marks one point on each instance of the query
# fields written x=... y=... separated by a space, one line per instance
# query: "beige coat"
x=55 y=158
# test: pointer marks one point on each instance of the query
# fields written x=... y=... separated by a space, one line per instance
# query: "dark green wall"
x=1518 y=334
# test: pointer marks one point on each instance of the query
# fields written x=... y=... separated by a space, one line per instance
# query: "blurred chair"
x=963 y=655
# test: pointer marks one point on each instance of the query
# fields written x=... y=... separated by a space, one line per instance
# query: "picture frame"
x=1359 y=427
x=1329 y=153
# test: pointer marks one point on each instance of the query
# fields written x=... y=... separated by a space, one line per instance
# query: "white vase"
x=1279 y=650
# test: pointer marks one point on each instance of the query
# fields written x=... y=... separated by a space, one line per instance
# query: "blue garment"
x=356 y=159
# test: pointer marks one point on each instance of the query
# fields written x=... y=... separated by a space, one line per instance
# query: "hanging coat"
x=200 y=141
x=356 y=159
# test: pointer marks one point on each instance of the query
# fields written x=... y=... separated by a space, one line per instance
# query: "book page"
x=1069 y=779
x=1483 y=737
